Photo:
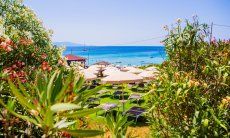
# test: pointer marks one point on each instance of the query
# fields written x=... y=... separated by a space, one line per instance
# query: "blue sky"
x=123 y=22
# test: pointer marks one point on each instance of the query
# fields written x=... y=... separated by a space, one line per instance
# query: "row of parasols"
x=118 y=75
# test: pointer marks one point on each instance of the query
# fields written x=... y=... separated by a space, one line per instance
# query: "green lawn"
x=108 y=97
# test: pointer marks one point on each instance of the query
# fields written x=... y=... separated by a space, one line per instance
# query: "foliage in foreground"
x=192 y=95
x=52 y=104
x=117 y=124
x=25 y=45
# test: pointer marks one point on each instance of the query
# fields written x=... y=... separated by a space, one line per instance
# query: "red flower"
x=25 y=42
x=44 y=56
x=46 y=66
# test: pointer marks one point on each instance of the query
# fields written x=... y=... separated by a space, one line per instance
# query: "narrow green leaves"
x=83 y=133
x=20 y=97
x=81 y=113
x=59 y=107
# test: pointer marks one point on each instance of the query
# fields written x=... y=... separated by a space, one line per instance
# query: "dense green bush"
x=51 y=105
x=25 y=44
x=191 y=96
x=33 y=85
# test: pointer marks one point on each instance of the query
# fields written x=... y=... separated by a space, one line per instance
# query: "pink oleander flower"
x=44 y=56
x=8 y=49
x=3 y=45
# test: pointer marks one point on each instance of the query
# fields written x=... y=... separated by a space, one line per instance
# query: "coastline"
x=120 y=55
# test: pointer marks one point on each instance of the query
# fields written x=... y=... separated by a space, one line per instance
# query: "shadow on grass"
x=141 y=121
x=121 y=97
x=106 y=96
x=140 y=102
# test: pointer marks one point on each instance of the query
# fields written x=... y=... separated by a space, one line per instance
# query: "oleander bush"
x=51 y=105
x=39 y=97
x=191 y=96
x=25 y=45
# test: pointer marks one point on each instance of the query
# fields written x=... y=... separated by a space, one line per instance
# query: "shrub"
x=191 y=96
x=25 y=44
x=51 y=104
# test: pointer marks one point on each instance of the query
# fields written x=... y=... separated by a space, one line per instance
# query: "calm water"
x=120 y=55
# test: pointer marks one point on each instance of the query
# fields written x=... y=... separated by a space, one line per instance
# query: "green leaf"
x=10 y=103
x=83 y=133
x=57 y=87
x=205 y=122
x=22 y=88
x=25 y=118
x=178 y=92
x=60 y=96
x=48 y=120
x=82 y=113
x=63 y=124
x=88 y=93
x=40 y=82
x=160 y=90
x=64 y=107
x=217 y=120
x=79 y=84
x=50 y=86
x=120 y=124
x=21 y=98
x=109 y=123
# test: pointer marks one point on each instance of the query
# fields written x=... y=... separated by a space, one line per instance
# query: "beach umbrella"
x=94 y=67
x=127 y=68
x=89 y=76
x=121 y=77
x=111 y=67
x=135 y=70
x=108 y=72
x=102 y=63
x=154 y=69
x=91 y=71
x=147 y=75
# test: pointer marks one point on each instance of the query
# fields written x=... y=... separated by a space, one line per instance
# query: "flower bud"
x=34 y=112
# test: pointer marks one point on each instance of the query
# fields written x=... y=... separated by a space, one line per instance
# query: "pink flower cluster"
x=26 y=42
x=46 y=66
x=61 y=62
x=6 y=45
x=226 y=41
x=15 y=71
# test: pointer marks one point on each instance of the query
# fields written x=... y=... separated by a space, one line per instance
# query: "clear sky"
x=113 y=22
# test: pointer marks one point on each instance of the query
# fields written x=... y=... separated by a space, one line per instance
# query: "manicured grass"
x=108 y=97
x=137 y=129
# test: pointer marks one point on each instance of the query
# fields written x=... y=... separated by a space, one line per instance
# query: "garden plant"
x=191 y=96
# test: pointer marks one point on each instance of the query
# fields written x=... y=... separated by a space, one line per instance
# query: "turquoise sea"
x=119 y=55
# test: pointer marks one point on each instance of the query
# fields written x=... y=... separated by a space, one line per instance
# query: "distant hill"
x=67 y=44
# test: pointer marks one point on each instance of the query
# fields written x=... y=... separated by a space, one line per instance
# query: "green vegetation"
x=52 y=103
x=117 y=124
x=40 y=97
x=191 y=96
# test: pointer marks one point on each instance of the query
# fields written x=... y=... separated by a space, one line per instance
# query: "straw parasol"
x=111 y=67
x=102 y=63
x=94 y=67
x=127 y=68
x=147 y=75
x=108 y=72
x=154 y=69
x=89 y=76
x=119 y=77
x=135 y=70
